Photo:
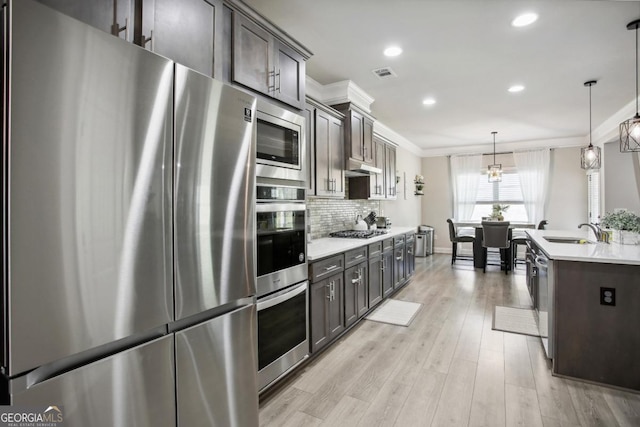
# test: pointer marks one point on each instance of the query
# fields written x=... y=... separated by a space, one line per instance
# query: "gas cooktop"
x=358 y=234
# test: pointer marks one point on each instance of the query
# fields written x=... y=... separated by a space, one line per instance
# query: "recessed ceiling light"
x=392 y=51
x=428 y=101
x=516 y=88
x=524 y=20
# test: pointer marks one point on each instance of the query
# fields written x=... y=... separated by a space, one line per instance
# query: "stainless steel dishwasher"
x=544 y=308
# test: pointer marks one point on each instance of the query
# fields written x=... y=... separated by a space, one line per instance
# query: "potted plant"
x=498 y=210
x=625 y=226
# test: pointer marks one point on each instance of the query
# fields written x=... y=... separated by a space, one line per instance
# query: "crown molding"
x=340 y=93
x=609 y=130
x=576 y=141
x=389 y=135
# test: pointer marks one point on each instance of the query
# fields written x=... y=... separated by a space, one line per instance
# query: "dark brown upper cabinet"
x=266 y=64
x=186 y=31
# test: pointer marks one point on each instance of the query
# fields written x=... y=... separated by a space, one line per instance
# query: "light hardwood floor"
x=448 y=368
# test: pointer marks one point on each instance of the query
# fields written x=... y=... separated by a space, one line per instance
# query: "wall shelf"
x=419 y=183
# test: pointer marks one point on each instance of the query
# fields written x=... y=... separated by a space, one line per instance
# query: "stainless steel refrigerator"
x=128 y=231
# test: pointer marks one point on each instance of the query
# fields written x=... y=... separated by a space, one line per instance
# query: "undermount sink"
x=572 y=240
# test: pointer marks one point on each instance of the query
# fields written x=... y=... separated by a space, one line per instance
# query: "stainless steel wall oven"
x=283 y=340
x=283 y=299
x=281 y=237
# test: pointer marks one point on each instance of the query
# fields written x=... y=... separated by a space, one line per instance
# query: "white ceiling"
x=466 y=54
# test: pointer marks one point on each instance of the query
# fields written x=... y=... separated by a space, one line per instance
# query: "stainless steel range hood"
x=359 y=168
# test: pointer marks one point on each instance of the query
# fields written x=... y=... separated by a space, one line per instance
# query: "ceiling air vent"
x=384 y=72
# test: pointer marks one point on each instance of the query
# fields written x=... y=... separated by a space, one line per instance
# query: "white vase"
x=625 y=237
x=629 y=237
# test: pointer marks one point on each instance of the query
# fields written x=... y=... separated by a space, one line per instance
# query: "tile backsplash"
x=329 y=215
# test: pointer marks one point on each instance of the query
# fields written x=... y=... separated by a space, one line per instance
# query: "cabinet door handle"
x=146 y=40
x=274 y=81
x=328 y=294
x=116 y=29
x=356 y=281
x=358 y=256
x=271 y=74
x=332 y=289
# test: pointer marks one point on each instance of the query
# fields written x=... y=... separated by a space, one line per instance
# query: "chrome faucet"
x=601 y=236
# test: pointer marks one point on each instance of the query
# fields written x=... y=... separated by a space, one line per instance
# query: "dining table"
x=505 y=254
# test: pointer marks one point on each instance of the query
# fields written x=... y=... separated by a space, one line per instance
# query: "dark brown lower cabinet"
x=326 y=311
x=596 y=322
x=410 y=256
x=355 y=293
x=398 y=262
x=375 y=280
x=387 y=273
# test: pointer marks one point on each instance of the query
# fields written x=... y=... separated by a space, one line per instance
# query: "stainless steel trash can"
x=424 y=241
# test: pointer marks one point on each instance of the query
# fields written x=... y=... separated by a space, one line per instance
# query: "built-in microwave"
x=280 y=143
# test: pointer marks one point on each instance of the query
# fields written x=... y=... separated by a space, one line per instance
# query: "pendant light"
x=494 y=171
x=590 y=156
x=630 y=129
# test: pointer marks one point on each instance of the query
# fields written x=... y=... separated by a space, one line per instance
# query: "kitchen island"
x=593 y=306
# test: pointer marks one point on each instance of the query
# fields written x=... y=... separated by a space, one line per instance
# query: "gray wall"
x=406 y=210
x=567 y=201
x=621 y=179
x=437 y=203
x=566 y=205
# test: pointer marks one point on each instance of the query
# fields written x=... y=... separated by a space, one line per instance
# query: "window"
x=593 y=196
x=505 y=192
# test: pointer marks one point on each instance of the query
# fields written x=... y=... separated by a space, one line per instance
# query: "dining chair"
x=520 y=238
x=458 y=237
x=495 y=234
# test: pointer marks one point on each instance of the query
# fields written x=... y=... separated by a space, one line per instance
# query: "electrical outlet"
x=608 y=296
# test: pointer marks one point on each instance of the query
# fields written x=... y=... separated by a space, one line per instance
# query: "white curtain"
x=533 y=170
x=464 y=180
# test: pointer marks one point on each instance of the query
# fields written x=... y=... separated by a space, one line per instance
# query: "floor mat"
x=516 y=320
x=395 y=312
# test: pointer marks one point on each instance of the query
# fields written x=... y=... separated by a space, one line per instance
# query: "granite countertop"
x=610 y=253
x=327 y=246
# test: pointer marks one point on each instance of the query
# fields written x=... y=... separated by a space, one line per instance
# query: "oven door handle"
x=280 y=207
x=281 y=297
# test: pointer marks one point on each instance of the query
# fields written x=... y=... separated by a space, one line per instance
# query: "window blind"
x=593 y=196
x=506 y=191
